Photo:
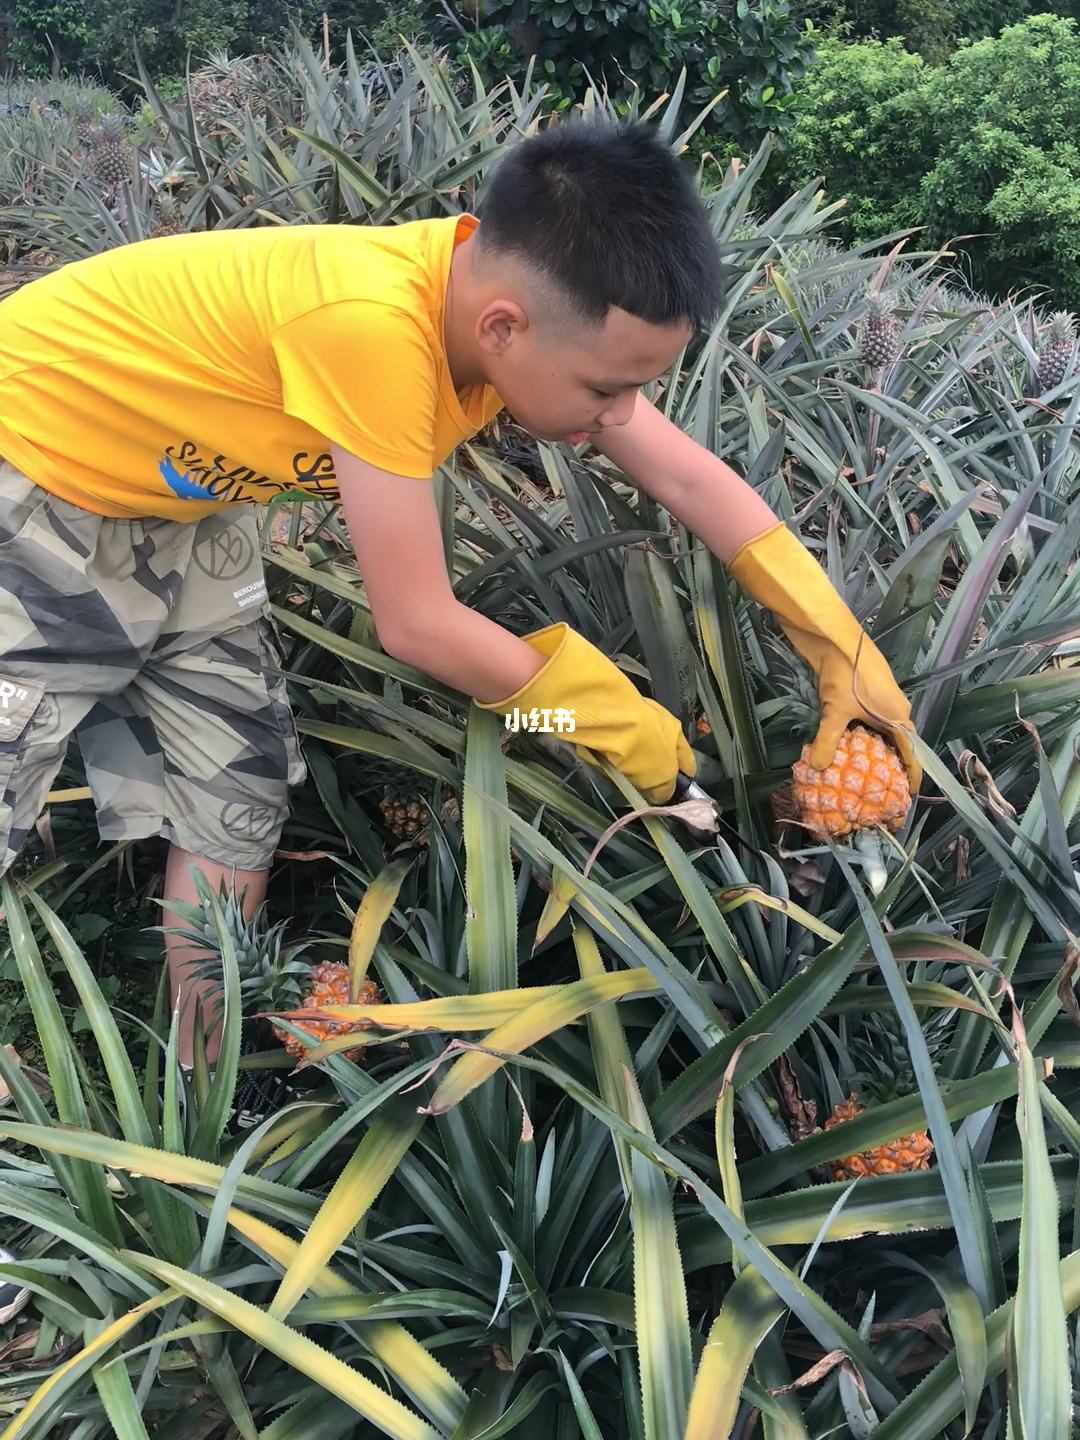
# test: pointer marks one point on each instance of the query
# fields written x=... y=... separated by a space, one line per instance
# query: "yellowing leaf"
x=536 y=1022
x=372 y=915
x=352 y=1195
x=381 y=1409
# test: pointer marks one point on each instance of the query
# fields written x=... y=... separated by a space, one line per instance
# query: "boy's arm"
x=395 y=530
x=774 y=568
x=396 y=533
x=711 y=500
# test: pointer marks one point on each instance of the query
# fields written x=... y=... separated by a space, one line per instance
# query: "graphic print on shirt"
x=191 y=477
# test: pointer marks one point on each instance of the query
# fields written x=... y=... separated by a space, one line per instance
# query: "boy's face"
x=564 y=379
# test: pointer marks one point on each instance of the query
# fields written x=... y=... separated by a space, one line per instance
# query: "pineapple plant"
x=1055 y=355
x=274 y=979
x=223 y=88
x=879 y=333
x=168 y=219
x=329 y=985
x=83 y=113
x=110 y=154
x=884 y=1073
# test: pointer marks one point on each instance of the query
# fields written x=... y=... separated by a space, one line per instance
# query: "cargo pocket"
x=20 y=702
x=22 y=504
x=278 y=691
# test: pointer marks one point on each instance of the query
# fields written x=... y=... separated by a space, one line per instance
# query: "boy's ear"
x=499 y=323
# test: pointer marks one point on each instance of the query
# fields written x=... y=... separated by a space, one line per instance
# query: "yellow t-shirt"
x=174 y=376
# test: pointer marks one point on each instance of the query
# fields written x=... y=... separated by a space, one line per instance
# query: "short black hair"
x=608 y=212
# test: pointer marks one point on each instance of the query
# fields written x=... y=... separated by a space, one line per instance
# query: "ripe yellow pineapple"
x=866 y=785
x=329 y=986
x=885 y=1073
x=909 y=1152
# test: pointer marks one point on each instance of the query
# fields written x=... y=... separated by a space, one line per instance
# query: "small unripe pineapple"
x=404 y=813
x=110 y=157
x=879 y=334
x=168 y=219
x=1056 y=353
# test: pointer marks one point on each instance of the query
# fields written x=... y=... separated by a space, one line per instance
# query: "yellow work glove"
x=639 y=737
x=778 y=571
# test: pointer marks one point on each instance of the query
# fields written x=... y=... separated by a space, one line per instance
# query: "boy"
x=150 y=395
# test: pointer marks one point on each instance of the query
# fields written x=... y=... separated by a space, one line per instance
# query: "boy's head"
x=593 y=266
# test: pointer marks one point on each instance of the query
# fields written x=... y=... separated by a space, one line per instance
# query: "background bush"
x=756 y=53
x=981 y=146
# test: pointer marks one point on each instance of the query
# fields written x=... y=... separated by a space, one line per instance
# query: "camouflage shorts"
x=152 y=640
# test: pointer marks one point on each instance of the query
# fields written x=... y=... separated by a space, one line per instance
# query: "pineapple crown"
x=882 y=1068
x=111 y=127
x=793 y=682
x=164 y=174
x=272 y=974
x=1061 y=329
x=880 y=304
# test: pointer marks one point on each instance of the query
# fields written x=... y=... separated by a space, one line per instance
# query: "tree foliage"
x=983 y=146
x=756 y=52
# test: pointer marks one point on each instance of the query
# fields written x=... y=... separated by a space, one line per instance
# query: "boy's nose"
x=620 y=410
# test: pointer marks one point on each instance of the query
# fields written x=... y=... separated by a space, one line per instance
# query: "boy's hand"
x=854 y=679
x=774 y=568
x=398 y=538
x=610 y=715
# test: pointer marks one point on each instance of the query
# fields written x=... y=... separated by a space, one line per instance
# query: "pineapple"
x=886 y=1074
x=865 y=786
x=405 y=813
x=83 y=112
x=879 y=334
x=329 y=985
x=1056 y=353
x=909 y=1152
x=274 y=980
x=168 y=219
x=110 y=155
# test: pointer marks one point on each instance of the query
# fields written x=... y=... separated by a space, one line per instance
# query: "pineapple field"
x=753 y=1118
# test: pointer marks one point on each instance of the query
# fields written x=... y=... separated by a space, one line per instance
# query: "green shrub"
x=756 y=52
x=1006 y=115
x=862 y=125
x=981 y=147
